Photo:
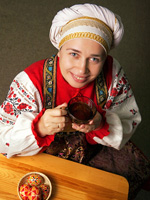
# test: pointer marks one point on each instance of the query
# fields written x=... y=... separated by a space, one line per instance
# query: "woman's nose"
x=83 y=66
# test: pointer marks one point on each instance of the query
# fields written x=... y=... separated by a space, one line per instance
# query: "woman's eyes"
x=93 y=59
x=74 y=54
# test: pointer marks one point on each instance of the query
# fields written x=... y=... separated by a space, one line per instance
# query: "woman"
x=34 y=116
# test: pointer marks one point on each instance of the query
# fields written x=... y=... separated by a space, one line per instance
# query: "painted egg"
x=35 y=180
x=34 y=193
x=45 y=191
x=24 y=190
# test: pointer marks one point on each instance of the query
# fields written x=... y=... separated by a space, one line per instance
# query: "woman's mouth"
x=80 y=79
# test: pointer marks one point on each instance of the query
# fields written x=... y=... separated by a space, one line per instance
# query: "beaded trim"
x=49 y=87
x=89 y=35
x=101 y=90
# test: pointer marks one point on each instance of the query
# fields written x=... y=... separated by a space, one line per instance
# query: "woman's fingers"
x=57 y=111
x=53 y=120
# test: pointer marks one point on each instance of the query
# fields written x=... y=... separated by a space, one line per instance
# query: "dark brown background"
x=24 y=39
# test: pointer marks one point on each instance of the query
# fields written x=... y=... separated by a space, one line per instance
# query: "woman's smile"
x=79 y=78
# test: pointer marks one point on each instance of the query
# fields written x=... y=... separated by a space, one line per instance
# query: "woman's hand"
x=95 y=124
x=52 y=121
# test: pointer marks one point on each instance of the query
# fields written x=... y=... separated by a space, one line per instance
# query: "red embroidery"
x=108 y=104
x=11 y=93
x=13 y=105
x=121 y=91
x=122 y=87
x=7 y=144
x=133 y=111
x=134 y=124
x=114 y=92
x=6 y=121
x=8 y=108
x=22 y=106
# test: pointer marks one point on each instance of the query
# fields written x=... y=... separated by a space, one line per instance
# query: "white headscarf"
x=64 y=16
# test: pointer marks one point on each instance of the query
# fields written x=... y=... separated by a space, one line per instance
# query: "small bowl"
x=81 y=109
x=46 y=180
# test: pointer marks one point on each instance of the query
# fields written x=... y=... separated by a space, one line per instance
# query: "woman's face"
x=81 y=60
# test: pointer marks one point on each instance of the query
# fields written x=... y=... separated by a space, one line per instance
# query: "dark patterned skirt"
x=128 y=162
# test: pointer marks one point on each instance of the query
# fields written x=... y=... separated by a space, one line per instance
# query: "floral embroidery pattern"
x=6 y=121
x=24 y=92
x=14 y=105
x=122 y=87
x=8 y=108
x=133 y=111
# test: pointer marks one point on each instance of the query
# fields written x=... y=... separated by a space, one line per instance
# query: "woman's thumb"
x=62 y=106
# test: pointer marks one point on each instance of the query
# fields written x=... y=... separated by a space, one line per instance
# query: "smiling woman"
x=34 y=116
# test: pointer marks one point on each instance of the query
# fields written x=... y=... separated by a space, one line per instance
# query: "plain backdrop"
x=24 y=39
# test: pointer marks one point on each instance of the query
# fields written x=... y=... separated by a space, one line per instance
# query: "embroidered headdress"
x=87 y=21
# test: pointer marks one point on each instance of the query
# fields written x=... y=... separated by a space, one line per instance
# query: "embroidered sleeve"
x=122 y=113
x=22 y=105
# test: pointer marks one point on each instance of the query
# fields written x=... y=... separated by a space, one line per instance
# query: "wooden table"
x=70 y=180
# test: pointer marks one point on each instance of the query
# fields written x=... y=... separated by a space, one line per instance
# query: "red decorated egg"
x=45 y=191
x=34 y=193
x=35 y=180
x=24 y=190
